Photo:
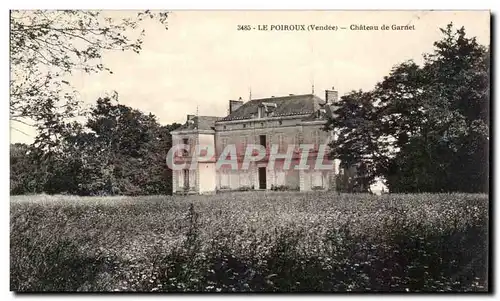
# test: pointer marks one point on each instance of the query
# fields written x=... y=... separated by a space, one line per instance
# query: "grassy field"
x=250 y=241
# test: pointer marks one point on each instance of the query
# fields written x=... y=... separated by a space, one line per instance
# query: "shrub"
x=279 y=188
x=245 y=188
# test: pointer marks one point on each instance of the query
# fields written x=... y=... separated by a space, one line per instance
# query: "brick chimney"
x=331 y=96
x=234 y=105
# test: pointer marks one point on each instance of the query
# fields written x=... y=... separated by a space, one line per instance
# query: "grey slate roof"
x=285 y=106
x=325 y=111
x=199 y=123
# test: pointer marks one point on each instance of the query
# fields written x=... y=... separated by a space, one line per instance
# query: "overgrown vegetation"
x=245 y=242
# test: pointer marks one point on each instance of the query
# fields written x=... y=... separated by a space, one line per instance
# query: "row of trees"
x=422 y=128
x=118 y=150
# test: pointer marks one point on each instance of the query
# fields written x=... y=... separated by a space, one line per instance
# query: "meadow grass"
x=250 y=242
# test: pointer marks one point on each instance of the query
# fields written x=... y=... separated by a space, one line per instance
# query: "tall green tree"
x=124 y=137
x=359 y=144
x=423 y=128
x=129 y=149
x=460 y=72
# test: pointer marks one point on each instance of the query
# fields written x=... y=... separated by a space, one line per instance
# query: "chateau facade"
x=279 y=124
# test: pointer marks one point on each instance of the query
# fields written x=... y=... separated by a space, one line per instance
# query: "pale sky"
x=204 y=61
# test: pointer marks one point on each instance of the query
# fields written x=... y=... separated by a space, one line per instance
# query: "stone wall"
x=280 y=131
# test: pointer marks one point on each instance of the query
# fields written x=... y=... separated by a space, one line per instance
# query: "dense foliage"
x=422 y=128
x=46 y=48
x=118 y=150
x=250 y=241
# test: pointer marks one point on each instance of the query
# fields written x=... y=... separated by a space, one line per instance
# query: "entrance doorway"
x=262 y=178
x=186 y=179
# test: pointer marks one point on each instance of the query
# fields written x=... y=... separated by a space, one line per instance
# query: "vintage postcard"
x=249 y=151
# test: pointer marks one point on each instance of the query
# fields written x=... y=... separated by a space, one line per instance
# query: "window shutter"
x=300 y=138
x=315 y=139
x=244 y=145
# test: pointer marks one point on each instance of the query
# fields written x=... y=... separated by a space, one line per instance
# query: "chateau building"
x=283 y=123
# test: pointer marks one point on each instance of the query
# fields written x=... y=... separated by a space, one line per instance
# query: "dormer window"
x=320 y=112
x=262 y=111
x=266 y=109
